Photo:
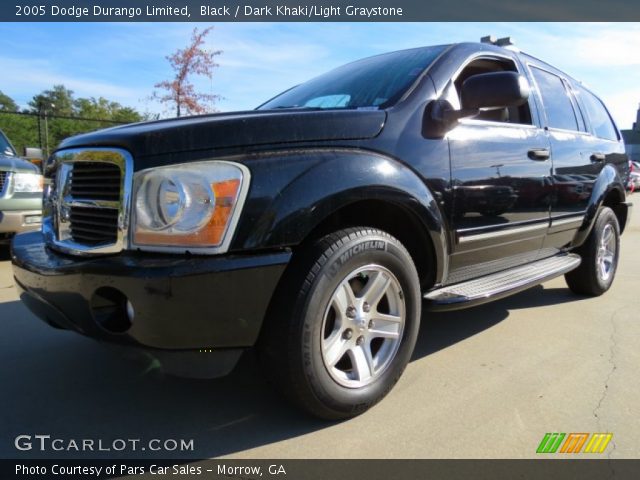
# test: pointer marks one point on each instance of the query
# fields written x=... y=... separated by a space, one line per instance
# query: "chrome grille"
x=93 y=226
x=4 y=182
x=86 y=202
x=95 y=181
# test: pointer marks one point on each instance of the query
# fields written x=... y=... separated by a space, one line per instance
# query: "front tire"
x=600 y=255
x=344 y=322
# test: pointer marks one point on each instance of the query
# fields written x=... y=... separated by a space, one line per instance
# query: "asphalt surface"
x=487 y=382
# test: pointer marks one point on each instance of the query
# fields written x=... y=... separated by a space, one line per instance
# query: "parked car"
x=20 y=193
x=633 y=183
x=318 y=226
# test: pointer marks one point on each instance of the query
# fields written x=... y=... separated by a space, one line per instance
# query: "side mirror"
x=489 y=91
x=494 y=90
x=34 y=155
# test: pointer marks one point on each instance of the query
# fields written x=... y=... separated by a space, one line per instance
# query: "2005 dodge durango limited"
x=318 y=226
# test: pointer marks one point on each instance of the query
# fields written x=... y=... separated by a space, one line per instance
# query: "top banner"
x=317 y=11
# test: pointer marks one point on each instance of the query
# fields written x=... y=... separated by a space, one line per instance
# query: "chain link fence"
x=45 y=131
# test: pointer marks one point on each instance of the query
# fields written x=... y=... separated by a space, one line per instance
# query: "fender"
x=298 y=190
x=608 y=180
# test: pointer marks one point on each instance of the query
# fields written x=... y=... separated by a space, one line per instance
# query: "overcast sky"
x=122 y=61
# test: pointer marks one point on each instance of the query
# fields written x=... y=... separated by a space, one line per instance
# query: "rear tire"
x=600 y=255
x=344 y=322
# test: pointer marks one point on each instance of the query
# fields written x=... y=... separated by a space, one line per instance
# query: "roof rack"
x=506 y=42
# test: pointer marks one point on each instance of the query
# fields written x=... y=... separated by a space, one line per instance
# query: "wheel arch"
x=392 y=218
x=347 y=188
x=608 y=191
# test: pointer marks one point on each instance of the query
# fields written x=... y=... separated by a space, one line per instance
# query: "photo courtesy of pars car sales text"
x=99 y=471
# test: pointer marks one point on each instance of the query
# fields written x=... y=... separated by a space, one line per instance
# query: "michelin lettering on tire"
x=356 y=249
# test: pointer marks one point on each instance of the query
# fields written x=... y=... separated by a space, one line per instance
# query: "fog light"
x=111 y=310
x=32 y=219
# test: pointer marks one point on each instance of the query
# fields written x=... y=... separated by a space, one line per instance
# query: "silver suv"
x=20 y=193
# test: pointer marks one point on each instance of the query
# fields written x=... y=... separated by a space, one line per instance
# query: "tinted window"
x=368 y=83
x=577 y=109
x=556 y=100
x=598 y=116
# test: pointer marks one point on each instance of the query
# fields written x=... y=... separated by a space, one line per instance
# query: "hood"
x=15 y=164
x=238 y=129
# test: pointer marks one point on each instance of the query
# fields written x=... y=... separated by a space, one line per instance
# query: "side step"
x=501 y=284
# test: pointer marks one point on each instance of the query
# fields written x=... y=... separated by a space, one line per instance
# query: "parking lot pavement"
x=484 y=383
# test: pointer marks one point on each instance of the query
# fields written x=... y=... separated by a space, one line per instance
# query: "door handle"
x=539 y=154
x=598 y=157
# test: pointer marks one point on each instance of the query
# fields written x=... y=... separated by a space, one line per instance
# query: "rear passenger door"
x=578 y=155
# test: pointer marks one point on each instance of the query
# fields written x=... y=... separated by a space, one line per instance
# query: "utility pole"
x=46 y=134
x=40 y=126
x=42 y=114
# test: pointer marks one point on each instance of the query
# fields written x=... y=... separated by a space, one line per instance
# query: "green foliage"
x=57 y=101
x=85 y=115
x=21 y=130
x=103 y=109
x=7 y=103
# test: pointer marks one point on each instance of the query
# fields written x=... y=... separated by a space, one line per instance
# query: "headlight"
x=191 y=205
x=27 y=182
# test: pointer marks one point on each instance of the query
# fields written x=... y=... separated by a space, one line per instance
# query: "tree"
x=58 y=101
x=47 y=126
x=192 y=60
x=102 y=109
x=7 y=103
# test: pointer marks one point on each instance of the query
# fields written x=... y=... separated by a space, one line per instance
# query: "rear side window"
x=599 y=118
x=556 y=100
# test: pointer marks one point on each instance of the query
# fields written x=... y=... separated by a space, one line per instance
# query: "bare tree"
x=192 y=60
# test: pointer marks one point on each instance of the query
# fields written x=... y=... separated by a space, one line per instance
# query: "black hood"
x=238 y=129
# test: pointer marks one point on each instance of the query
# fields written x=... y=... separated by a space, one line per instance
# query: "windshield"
x=5 y=146
x=375 y=82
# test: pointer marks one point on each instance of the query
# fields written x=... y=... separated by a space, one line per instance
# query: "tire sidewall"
x=355 y=253
x=606 y=217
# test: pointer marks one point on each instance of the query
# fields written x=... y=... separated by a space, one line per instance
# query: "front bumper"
x=19 y=221
x=173 y=303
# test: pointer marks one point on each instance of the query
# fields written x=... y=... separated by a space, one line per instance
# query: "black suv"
x=318 y=226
